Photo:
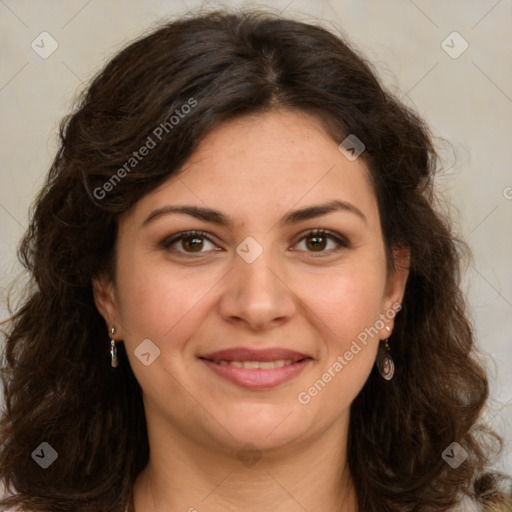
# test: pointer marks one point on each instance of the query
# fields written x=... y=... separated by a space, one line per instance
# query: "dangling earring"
x=113 y=350
x=385 y=363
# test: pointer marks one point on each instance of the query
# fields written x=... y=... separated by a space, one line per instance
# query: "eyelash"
x=340 y=241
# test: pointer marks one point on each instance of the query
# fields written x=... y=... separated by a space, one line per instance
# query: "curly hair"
x=58 y=384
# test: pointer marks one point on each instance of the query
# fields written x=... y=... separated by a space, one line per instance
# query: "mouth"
x=257 y=369
x=253 y=365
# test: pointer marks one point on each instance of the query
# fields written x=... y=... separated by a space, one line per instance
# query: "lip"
x=248 y=354
x=258 y=378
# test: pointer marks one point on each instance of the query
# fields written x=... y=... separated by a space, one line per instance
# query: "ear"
x=395 y=288
x=106 y=303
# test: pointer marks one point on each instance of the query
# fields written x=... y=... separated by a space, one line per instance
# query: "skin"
x=295 y=295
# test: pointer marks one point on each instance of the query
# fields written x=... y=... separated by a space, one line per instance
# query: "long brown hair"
x=59 y=387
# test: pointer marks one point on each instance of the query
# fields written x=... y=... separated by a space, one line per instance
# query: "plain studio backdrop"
x=449 y=60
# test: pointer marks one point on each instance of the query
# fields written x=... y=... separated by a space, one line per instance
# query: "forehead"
x=282 y=138
x=264 y=163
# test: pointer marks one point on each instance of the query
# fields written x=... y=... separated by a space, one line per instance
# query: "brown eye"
x=188 y=242
x=316 y=243
x=318 y=240
x=194 y=243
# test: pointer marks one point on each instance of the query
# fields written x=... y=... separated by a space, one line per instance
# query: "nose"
x=256 y=294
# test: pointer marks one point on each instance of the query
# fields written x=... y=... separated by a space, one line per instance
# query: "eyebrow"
x=293 y=217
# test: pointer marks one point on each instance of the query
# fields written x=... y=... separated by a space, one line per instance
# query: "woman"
x=244 y=298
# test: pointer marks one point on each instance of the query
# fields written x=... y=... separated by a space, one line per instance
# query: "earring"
x=113 y=350
x=385 y=363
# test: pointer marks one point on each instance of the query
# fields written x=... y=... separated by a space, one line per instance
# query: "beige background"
x=467 y=101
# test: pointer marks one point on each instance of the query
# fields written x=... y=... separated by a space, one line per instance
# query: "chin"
x=262 y=426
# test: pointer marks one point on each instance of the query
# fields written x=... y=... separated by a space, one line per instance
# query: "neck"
x=310 y=475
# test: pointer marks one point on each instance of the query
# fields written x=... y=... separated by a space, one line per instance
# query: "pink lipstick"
x=257 y=368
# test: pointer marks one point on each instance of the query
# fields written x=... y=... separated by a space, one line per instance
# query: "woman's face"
x=255 y=285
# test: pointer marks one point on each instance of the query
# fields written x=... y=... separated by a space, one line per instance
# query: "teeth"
x=268 y=365
x=253 y=365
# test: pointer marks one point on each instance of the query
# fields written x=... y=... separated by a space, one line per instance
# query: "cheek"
x=157 y=301
x=348 y=300
x=349 y=307
x=348 y=303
